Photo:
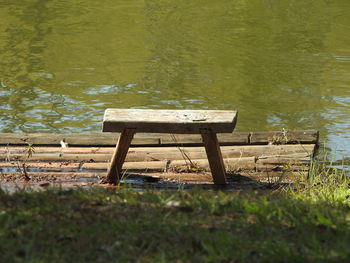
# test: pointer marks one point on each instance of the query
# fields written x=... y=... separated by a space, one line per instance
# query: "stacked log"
x=89 y=155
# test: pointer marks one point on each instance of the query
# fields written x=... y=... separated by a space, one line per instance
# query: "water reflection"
x=283 y=64
x=172 y=68
x=280 y=63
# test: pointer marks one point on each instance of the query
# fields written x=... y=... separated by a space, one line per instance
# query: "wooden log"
x=50 y=149
x=75 y=139
x=235 y=138
x=57 y=157
x=42 y=165
x=169 y=121
x=172 y=153
x=97 y=166
x=72 y=175
x=292 y=162
x=249 y=150
x=140 y=139
x=135 y=166
x=231 y=164
x=267 y=163
x=149 y=153
x=290 y=137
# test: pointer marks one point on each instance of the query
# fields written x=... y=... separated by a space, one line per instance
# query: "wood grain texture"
x=234 y=138
x=56 y=154
x=114 y=174
x=59 y=166
x=72 y=175
x=298 y=161
x=267 y=152
x=213 y=151
x=147 y=139
x=104 y=154
x=169 y=121
x=109 y=139
x=287 y=137
x=269 y=163
x=73 y=139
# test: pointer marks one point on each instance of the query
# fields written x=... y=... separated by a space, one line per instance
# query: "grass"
x=307 y=223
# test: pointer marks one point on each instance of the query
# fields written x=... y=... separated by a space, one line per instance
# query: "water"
x=281 y=64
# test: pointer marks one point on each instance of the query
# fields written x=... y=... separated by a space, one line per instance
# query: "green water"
x=281 y=64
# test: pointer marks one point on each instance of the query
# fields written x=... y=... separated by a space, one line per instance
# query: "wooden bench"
x=205 y=122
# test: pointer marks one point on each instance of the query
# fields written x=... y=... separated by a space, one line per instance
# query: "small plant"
x=190 y=166
x=324 y=182
x=280 y=138
x=27 y=153
x=124 y=176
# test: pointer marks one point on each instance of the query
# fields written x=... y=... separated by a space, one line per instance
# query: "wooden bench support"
x=114 y=172
x=213 y=151
x=205 y=122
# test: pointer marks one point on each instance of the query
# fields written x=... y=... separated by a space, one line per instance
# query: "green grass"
x=307 y=223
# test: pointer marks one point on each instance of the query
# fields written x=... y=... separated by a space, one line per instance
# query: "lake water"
x=281 y=64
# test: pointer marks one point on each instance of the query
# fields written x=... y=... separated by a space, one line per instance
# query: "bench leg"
x=114 y=172
x=213 y=151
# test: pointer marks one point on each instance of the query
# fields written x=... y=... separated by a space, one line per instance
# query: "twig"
x=25 y=172
x=183 y=153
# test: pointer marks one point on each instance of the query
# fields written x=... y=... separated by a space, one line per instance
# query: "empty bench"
x=207 y=123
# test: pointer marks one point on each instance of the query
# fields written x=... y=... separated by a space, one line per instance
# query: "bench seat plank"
x=169 y=121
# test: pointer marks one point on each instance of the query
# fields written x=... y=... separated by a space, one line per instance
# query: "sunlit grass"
x=324 y=183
